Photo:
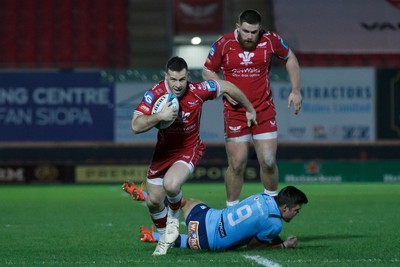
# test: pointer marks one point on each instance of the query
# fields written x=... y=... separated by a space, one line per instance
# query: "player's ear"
x=284 y=208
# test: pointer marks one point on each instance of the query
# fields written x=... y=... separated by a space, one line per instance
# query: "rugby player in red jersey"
x=244 y=57
x=179 y=147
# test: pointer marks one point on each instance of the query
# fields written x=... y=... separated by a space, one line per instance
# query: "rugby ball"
x=159 y=105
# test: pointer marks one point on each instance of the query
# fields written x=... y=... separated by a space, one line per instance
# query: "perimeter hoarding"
x=388 y=124
x=127 y=98
x=338 y=106
x=339 y=171
x=36 y=173
x=56 y=106
x=313 y=171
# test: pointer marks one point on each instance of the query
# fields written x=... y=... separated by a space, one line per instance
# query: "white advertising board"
x=338 y=105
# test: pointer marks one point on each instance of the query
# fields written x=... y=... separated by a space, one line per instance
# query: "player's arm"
x=236 y=94
x=289 y=242
x=142 y=123
x=293 y=69
x=211 y=75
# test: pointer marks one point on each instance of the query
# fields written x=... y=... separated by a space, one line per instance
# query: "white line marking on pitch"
x=262 y=261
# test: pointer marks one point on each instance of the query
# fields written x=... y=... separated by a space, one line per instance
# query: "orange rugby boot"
x=135 y=192
x=147 y=235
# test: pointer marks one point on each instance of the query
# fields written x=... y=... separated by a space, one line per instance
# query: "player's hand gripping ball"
x=159 y=105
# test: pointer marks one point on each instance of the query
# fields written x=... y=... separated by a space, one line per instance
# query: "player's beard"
x=247 y=45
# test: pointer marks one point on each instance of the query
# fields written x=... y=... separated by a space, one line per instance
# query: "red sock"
x=175 y=202
x=160 y=218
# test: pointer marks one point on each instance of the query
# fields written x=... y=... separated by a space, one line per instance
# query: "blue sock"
x=183 y=241
x=156 y=236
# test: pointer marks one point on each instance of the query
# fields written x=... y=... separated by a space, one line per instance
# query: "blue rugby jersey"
x=256 y=216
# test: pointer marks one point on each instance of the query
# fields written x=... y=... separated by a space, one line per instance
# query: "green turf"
x=350 y=224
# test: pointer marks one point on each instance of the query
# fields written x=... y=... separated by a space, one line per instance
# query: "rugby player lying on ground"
x=256 y=222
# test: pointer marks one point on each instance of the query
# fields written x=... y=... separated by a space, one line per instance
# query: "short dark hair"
x=176 y=64
x=291 y=196
x=250 y=16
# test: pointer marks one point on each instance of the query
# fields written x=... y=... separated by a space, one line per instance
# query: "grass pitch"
x=349 y=224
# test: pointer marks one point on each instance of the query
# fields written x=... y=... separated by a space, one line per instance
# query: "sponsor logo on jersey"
x=144 y=108
x=246 y=71
x=193 y=235
x=259 y=206
x=148 y=97
x=183 y=116
x=273 y=123
x=211 y=86
x=212 y=50
x=284 y=44
x=191 y=86
x=159 y=90
x=221 y=228
x=246 y=57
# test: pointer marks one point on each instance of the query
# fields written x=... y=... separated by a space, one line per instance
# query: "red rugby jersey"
x=248 y=70
x=185 y=131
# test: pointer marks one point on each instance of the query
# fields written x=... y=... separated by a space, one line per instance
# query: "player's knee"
x=154 y=203
x=269 y=163
x=237 y=167
x=171 y=188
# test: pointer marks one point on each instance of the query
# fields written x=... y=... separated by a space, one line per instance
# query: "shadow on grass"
x=327 y=237
x=306 y=239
